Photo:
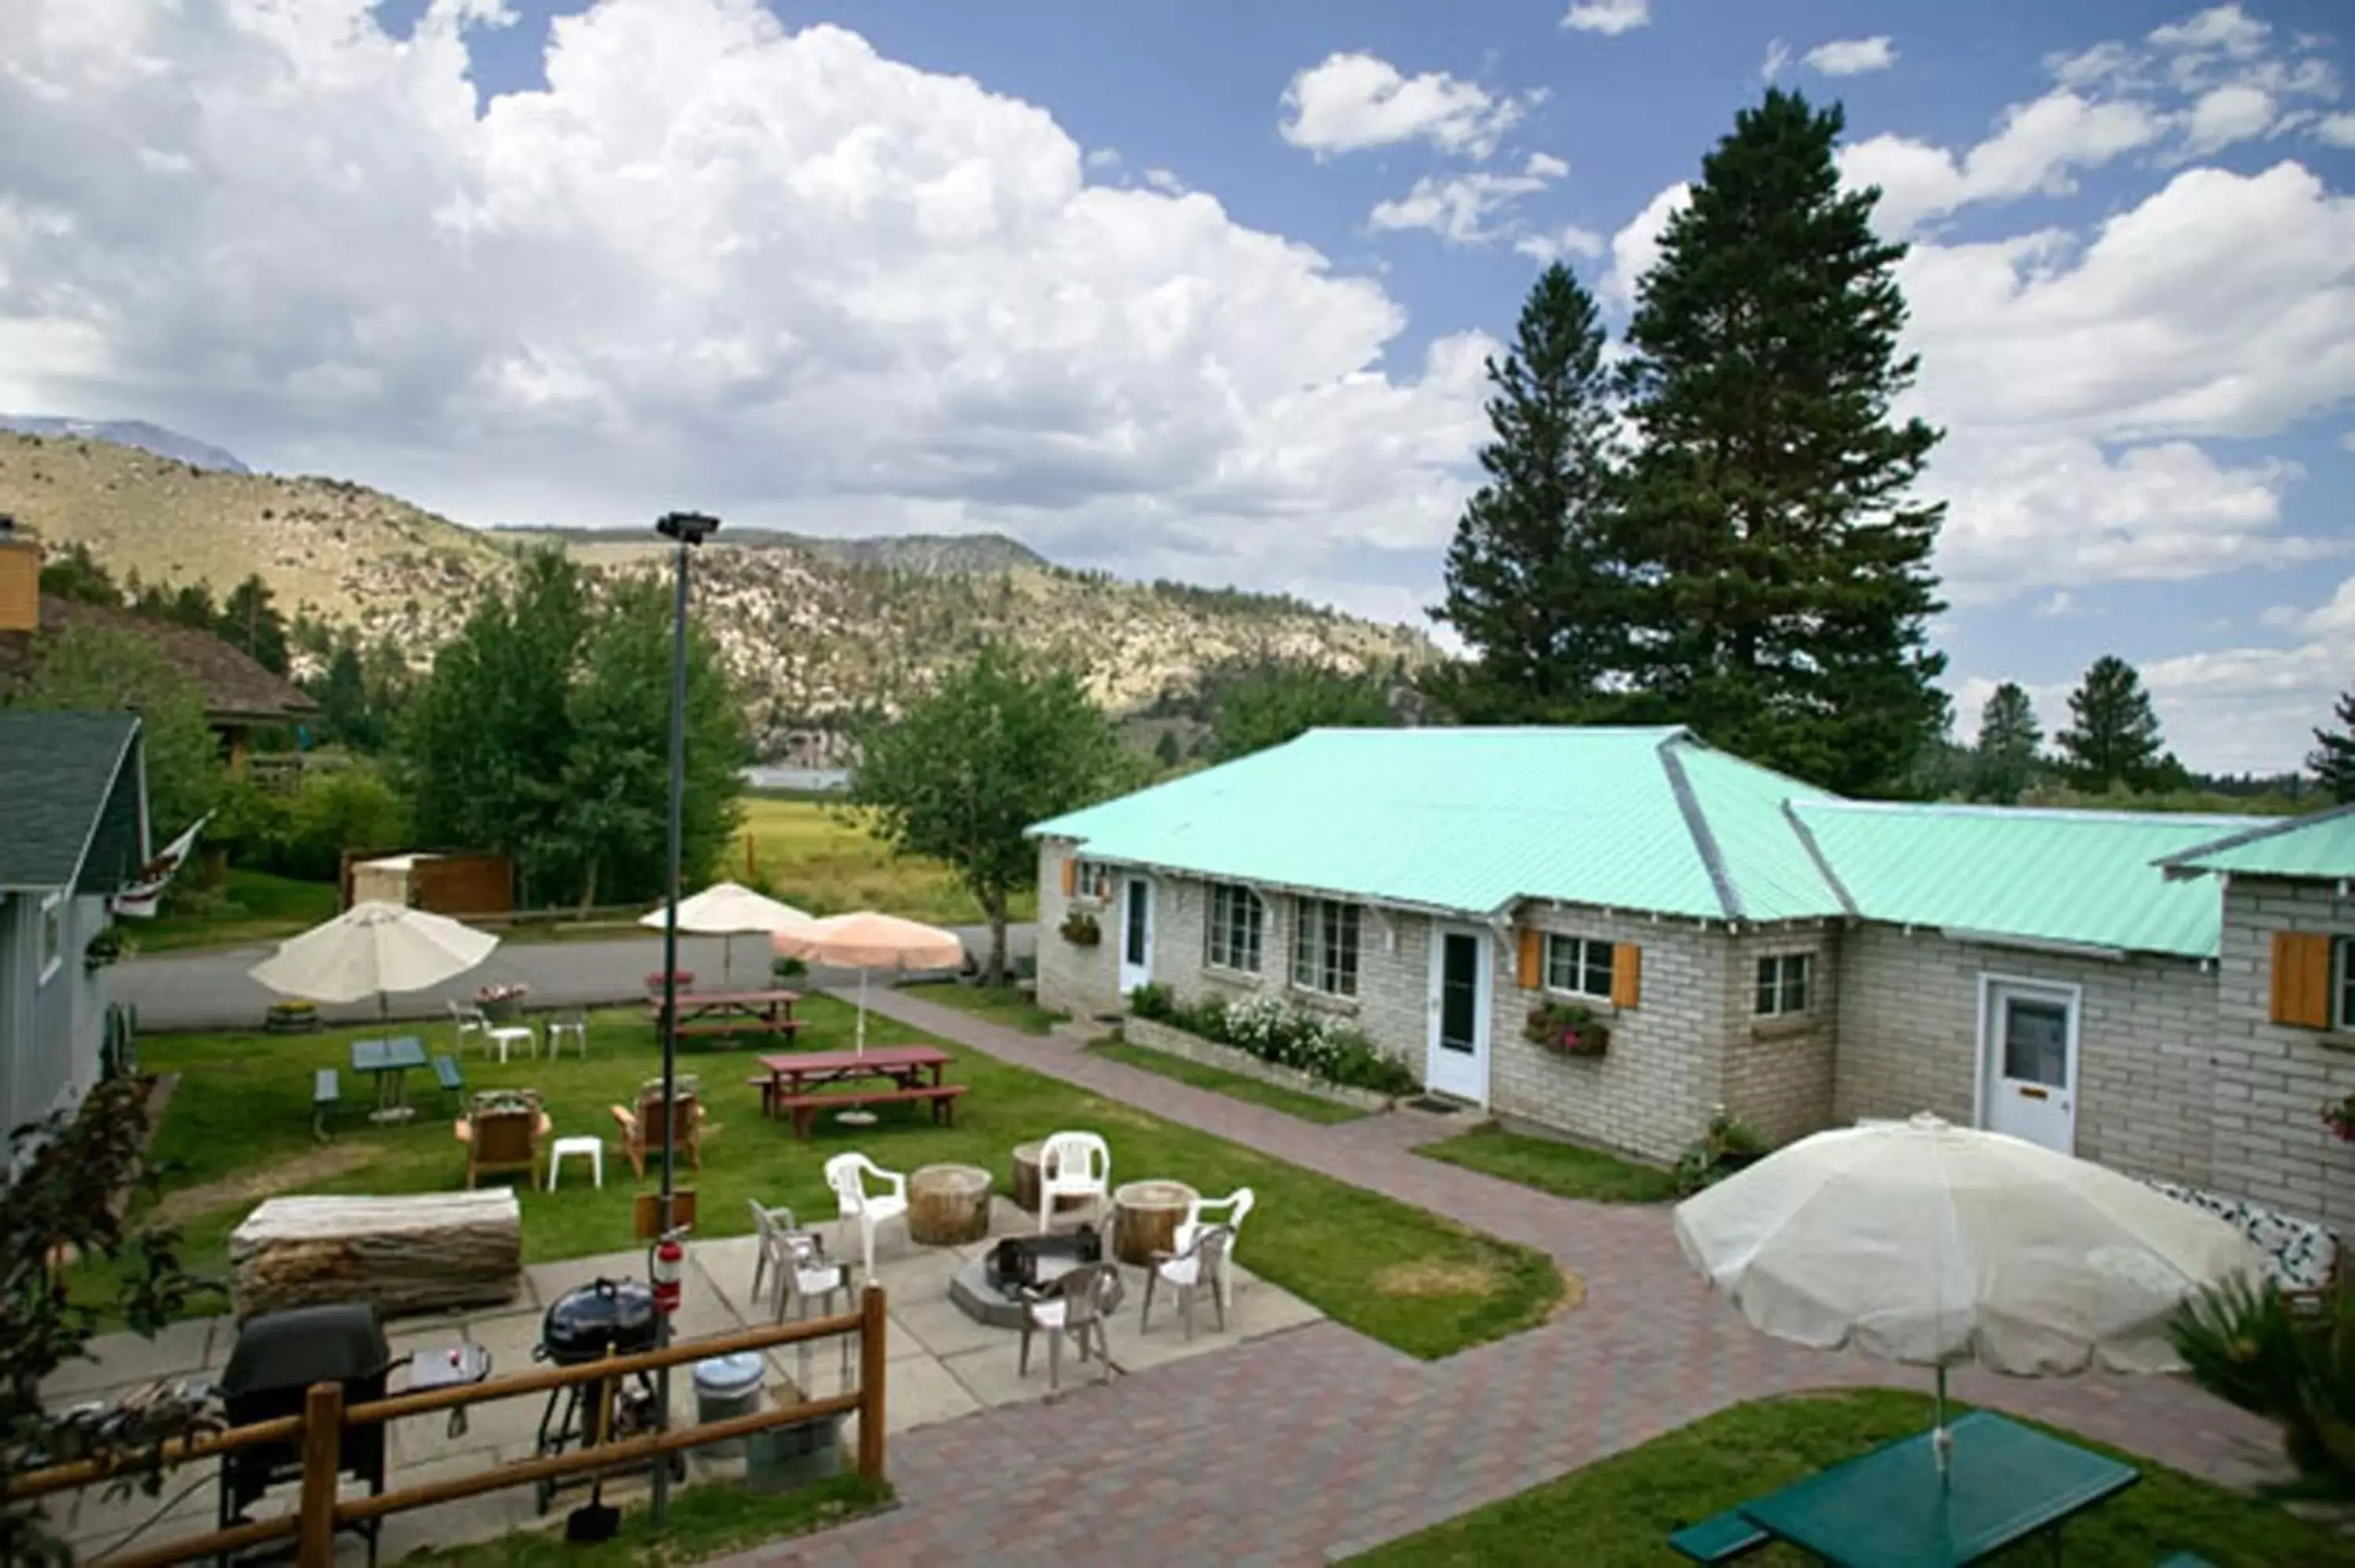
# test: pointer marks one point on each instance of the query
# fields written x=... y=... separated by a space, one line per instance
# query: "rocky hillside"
x=812 y=628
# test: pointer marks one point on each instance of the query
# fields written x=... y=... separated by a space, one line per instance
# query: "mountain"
x=128 y=433
x=812 y=629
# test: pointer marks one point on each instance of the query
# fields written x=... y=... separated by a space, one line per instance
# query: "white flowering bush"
x=1315 y=1044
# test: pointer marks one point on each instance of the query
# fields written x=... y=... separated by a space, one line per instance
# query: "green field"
x=814 y=856
x=1551 y=1165
x=239 y=1130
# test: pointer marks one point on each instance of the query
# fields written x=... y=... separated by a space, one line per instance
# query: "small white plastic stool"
x=505 y=1035
x=595 y=1147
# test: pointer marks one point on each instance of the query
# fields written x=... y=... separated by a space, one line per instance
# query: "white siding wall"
x=49 y=1034
x=2271 y=1080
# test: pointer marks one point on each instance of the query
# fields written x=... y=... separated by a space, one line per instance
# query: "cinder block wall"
x=2271 y=1080
x=1082 y=981
x=1909 y=1031
x=1778 y=1070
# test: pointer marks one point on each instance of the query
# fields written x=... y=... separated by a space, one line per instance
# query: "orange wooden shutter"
x=2302 y=978
x=1626 y=975
x=1070 y=876
x=1532 y=958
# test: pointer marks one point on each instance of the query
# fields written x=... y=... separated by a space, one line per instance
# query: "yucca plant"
x=2243 y=1341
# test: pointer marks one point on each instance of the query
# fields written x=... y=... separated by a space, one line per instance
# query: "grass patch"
x=1002 y=1004
x=705 y=1522
x=256 y=907
x=815 y=856
x=1621 y=1511
x=244 y=1103
x=1275 y=1097
x=1565 y=1170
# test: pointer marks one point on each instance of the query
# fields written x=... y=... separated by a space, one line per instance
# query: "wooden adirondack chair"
x=503 y=1133
x=642 y=1128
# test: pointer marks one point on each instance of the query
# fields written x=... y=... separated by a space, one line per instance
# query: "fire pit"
x=989 y=1288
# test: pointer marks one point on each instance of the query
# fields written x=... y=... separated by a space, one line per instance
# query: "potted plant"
x=502 y=1001
x=1568 y=1029
x=1080 y=928
x=106 y=947
x=291 y=1018
x=2339 y=1117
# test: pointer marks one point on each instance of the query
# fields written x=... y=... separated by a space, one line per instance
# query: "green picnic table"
x=1893 y=1509
x=389 y=1062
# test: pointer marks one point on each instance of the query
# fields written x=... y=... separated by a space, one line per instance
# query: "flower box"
x=1081 y=929
x=291 y=1018
x=1567 y=1030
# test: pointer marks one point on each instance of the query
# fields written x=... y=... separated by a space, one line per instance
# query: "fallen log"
x=406 y=1255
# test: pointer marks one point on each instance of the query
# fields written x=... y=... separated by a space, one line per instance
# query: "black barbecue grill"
x=277 y=1357
x=582 y=1326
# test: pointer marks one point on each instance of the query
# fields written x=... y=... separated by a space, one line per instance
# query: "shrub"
x=1263 y=1026
x=2243 y=1342
x=349 y=808
x=785 y=967
x=1152 y=1002
x=1729 y=1144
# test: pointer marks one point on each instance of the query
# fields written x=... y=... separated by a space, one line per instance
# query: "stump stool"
x=1144 y=1219
x=1025 y=1169
x=948 y=1205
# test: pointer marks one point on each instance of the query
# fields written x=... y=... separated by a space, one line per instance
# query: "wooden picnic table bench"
x=804 y=1108
x=720 y=1013
x=803 y=1085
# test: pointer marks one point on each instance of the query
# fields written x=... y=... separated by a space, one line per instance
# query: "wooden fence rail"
x=325 y=1418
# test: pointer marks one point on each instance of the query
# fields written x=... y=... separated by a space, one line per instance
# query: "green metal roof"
x=70 y=813
x=2081 y=878
x=2319 y=846
x=1478 y=819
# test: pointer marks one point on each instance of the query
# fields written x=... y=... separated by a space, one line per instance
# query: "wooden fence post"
x=323 y=1439
x=872 y=1350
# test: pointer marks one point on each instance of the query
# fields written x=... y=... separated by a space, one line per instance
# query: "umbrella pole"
x=862 y=1010
x=1942 y=1442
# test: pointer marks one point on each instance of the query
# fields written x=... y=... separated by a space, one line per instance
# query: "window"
x=1580 y=965
x=1236 y=918
x=1093 y=880
x=1325 y=947
x=2346 y=946
x=53 y=935
x=1782 y=984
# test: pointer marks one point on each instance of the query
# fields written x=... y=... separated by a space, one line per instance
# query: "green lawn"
x=1549 y=1165
x=256 y=907
x=705 y=1521
x=1619 y=1514
x=1002 y=1004
x=1275 y=1097
x=1405 y=1276
x=814 y=856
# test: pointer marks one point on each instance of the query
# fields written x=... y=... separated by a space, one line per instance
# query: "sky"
x=1205 y=291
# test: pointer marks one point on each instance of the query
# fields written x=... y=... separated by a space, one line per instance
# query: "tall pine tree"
x=1769 y=513
x=2112 y=740
x=2333 y=759
x=1531 y=588
x=2009 y=740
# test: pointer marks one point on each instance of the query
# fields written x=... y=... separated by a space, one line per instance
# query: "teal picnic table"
x=389 y=1063
x=1893 y=1509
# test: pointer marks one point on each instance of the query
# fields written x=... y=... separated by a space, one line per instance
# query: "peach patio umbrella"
x=869 y=940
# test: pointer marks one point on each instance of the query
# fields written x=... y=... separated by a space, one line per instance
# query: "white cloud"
x=2060 y=604
x=2236 y=111
x=1104 y=158
x=1351 y=102
x=1778 y=54
x=1609 y=17
x=714 y=260
x=2254 y=708
x=2038 y=148
x=1852 y=56
x=2224 y=28
x=2337 y=130
x=1165 y=181
x=1636 y=246
x=1568 y=240
x=1545 y=166
x=1464 y=209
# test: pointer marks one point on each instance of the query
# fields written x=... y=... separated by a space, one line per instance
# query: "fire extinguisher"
x=667 y=1257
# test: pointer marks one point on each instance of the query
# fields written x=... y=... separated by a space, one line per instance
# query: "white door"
x=1135 y=933
x=2030 y=1034
x=1457 y=1060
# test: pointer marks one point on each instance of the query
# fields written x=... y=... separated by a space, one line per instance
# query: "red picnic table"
x=813 y=1081
x=732 y=1012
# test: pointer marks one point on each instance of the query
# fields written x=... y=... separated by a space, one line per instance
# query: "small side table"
x=595 y=1147
x=948 y=1205
x=503 y=1035
x=449 y=1366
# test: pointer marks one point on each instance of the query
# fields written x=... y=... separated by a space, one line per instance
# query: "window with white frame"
x=53 y=935
x=1237 y=922
x=1577 y=966
x=1091 y=880
x=1782 y=984
x=1325 y=947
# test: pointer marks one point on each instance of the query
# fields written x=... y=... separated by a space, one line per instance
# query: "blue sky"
x=1202 y=291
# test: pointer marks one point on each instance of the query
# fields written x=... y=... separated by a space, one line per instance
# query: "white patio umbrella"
x=1934 y=1246
x=868 y=940
x=726 y=910
x=373 y=948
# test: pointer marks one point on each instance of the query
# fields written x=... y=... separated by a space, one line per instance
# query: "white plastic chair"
x=1232 y=1210
x=469 y=1021
x=847 y=1174
x=1073 y=1165
x=572 y=1021
x=1199 y=1259
x=1076 y=1303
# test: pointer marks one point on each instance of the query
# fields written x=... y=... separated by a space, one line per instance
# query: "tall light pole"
x=690 y=529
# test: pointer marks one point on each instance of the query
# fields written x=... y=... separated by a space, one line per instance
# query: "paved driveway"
x=212 y=990
x=1316 y=1443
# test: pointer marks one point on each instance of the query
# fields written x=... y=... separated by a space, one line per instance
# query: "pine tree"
x=1768 y=511
x=250 y=622
x=1530 y=585
x=2113 y=740
x=2332 y=760
x=2009 y=740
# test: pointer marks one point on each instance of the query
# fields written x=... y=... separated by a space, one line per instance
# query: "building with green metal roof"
x=73 y=832
x=1613 y=931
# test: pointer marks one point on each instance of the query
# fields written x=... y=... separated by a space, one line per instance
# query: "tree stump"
x=1144 y=1219
x=1026 y=1182
x=405 y=1255
x=948 y=1205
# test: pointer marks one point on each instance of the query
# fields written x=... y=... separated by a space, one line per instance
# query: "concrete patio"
x=941 y=1366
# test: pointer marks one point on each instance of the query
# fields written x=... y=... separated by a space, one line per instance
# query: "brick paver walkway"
x=1311 y=1444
